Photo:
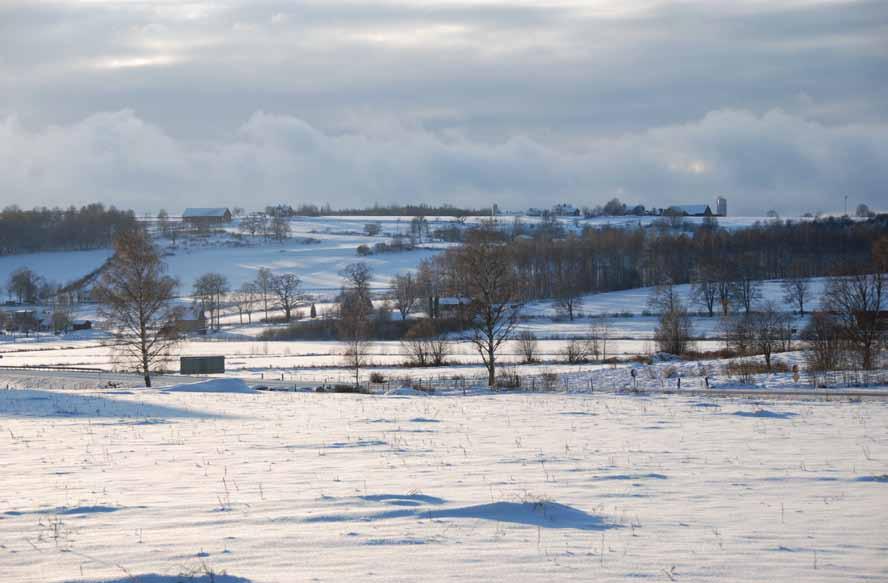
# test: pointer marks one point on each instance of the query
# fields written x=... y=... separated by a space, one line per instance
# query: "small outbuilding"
x=201 y=364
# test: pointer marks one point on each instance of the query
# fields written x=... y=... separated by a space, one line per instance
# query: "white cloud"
x=779 y=103
x=772 y=161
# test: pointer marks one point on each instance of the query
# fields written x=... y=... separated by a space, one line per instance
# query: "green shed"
x=201 y=364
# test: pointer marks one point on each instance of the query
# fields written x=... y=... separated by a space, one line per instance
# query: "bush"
x=377 y=378
x=549 y=379
x=578 y=350
x=744 y=370
x=508 y=380
x=424 y=345
x=527 y=346
x=673 y=333
x=826 y=346
x=364 y=250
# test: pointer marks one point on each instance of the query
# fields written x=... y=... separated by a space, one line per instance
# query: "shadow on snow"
x=541 y=514
x=37 y=403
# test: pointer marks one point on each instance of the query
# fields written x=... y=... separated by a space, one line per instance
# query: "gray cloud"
x=776 y=160
x=778 y=104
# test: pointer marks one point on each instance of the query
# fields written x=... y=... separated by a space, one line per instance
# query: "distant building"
x=192 y=321
x=204 y=217
x=721 y=206
x=565 y=210
x=690 y=210
x=81 y=325
x=452 y=307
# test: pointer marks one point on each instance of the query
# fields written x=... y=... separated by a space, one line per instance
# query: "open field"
x=291 y=486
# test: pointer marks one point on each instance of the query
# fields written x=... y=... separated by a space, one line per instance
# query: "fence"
x=848 y=378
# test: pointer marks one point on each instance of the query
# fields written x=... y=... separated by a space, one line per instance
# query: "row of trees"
x=212 y=293
x=850 y=330
x=722 y=262
x=42 y=229
x=270 y=227
x=392 y=210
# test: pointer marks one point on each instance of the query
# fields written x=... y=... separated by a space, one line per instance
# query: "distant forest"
x=392 y=210
x=45 y=229
x=549 y=262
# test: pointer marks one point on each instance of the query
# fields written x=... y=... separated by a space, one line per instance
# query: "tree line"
x=46 y=229
x=550 y=263
x=403 y=210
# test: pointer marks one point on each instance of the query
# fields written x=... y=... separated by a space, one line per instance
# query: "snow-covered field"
x=115 y=485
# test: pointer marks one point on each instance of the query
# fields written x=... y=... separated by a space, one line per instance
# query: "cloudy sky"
x=777 y=104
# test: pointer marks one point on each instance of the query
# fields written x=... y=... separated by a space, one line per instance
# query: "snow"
x=212 y=386
x=665 y=475
x=58 y=266
x=159 y=486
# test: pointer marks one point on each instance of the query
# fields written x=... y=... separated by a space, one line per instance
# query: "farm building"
x=204 y=217
x=690 y=210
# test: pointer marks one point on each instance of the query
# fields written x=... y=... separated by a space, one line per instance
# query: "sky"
x=774 y=104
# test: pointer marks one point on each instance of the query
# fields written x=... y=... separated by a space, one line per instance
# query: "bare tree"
x=279 y=230
x=425 y=345
x=60 y=318
x=263 y=282
x=579 y=350
x=245 y=300
x=286 y=288
x=705 y=289
x=406 y=290
x=136 y=298
x=163 y=222
x=486 y=274
x=355 y=311
x=747 y=291
x=738 y=332
x=725 y=291
x=599 y=333
x=209 y=290
x=527 y=346
x=664 y=298
x=825 y=342
x=857 y=300
x=568 y=285
x=24 y=285
x=568 y=301
x=673 y=332
x=418 y=226
x=251 y=224
x=796 y=292
x=769 y=327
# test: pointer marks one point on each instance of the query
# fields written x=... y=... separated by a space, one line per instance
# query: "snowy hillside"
x=336 y=240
